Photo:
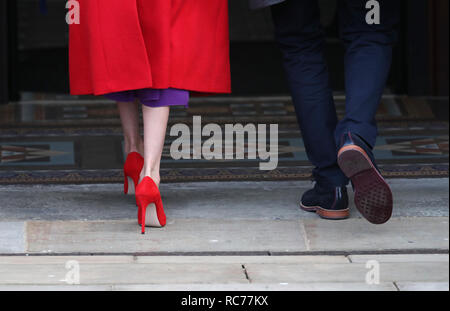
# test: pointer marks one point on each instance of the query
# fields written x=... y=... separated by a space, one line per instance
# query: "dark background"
x=33 y=50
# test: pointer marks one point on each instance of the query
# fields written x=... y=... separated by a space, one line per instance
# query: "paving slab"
x=182 y=200
x=257 y=200
x=53 y=288
x=242 y=259
x=422 y=286
x=402 y=233
x=61 y=260
x=106 y=274
x=218 y=273
x=208 y=287
x=260 y=287
x=12 y=237
x=188 y=235
x=176 y=259
x=180 y=235
x=400 y=258
x=389 y=272
x=420 y=197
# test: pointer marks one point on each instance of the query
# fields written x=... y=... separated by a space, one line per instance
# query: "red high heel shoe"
x=147 y=192
x=132 y=171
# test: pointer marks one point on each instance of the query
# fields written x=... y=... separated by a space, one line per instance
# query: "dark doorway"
x=38 y=60
x=3 y=53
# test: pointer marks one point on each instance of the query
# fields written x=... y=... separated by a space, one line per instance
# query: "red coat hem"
x=199 y=90
x=128 y=45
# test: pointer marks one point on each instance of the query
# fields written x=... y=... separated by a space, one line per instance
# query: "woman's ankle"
x=153 y=174
x=134 y=147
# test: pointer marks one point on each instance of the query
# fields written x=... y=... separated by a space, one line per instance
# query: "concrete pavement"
x=204 y=200
x=223 y=236
x=396 y=272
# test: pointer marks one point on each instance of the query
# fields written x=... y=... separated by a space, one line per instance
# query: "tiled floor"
x=80 y=140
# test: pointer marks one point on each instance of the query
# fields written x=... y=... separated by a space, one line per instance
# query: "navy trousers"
x=368 y=55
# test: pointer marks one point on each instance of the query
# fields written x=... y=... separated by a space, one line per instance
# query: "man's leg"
x=301 y=39
x=368 y=59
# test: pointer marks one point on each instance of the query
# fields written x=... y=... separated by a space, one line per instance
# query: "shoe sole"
x=373 y=196
x=327 y=214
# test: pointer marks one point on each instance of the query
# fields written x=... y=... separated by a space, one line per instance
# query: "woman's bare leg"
x=129 y=116
x=155 y=125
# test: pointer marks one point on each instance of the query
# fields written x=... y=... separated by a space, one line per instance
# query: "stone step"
x=397 y=272
x=423 y=234
x=212 y=200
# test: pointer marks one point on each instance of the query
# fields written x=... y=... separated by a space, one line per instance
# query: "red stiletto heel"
x=147 y=193
x=131 y=171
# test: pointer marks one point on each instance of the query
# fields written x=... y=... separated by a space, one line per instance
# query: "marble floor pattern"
x=80 y=141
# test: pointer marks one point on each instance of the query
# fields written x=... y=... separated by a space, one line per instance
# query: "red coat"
x=133 y=44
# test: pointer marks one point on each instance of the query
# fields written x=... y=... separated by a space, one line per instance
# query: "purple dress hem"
x=153 y=97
